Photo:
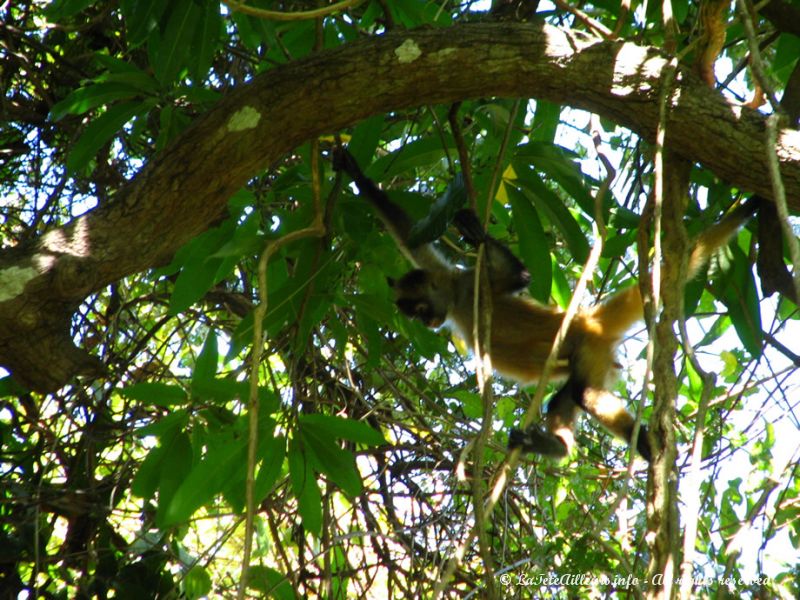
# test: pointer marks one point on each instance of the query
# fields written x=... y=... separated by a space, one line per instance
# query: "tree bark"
x=185 y=188
x=663 y=524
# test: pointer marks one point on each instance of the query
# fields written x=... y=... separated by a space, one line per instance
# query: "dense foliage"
x=129 y=479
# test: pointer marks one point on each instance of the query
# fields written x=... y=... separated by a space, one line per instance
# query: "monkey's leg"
x=610 y=411
x=558 y=438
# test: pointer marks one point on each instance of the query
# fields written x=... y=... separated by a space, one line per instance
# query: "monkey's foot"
x=537 y=440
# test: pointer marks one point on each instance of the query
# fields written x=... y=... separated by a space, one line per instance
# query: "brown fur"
x=523 y=330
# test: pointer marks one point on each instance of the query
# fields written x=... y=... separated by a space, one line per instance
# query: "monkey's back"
x=523 y=332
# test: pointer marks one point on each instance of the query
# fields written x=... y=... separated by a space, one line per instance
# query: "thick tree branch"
x=184 y=189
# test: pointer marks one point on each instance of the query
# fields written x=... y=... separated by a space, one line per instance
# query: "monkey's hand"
x=468 y=224
x=537 y=440
x=342 y=160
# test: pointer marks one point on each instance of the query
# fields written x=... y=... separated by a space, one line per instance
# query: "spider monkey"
x=437 y=292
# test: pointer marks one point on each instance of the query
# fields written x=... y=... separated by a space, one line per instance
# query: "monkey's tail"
x=613 y=317
x=718 y=234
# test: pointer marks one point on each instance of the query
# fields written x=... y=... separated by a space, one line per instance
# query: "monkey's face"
x=418 y=296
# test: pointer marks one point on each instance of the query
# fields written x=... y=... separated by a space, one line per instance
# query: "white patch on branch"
x=408 y=51
x=13 y=280
x=78 y=244
x=634 y=70
x=246 y=117
x=443 y=53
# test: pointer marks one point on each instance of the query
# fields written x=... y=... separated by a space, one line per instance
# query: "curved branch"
x=186 y=187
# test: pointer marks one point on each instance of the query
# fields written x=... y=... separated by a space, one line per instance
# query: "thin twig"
x=302 y=15
x=755 y=55
x=779 y=196
x=317 y=228
x=482 y=327
x=591 y=23
x=690 y=483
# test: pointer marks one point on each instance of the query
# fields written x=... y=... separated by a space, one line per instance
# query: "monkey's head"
x=419 y=295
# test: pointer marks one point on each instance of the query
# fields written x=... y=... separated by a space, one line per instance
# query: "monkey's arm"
x=506 y=272
x=396 y=220
x=394 y=216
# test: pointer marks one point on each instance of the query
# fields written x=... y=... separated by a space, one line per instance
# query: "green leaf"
x=559 y=164
x=545 y=121
x=335 y=462
x=341 y=571
x=470 y=402
x=305 y=489
x=272 y=455
x=617 y=245
x=102 y=130
x=365 y=139
x=345 y=429
x=91 y=96
x=195 y=279
x=221 y=389
x=205 y=367
x=172 y=122
x=60 y=9
x=249 y=30
x=9 y=387
x=370 y=330
x=786 y=52
x=269 y=462
x=533 y=245
x=548 y=203
x=246 y=239
x=117 y=66
x=141 y=17
x=562 y=293
x=269 y=581
x=372 y=305
x=160 y=394
x=162 y=428
x=170 y=52
x=221 y=462
x=420 y=153
x=197 y=583
x=147 y=478
x=176 y=465
x=145 y=482
x=200 y=269
x=123 y=73
x=427 y=342
x=736 y=289
x=206 y=39
x=440 y=215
